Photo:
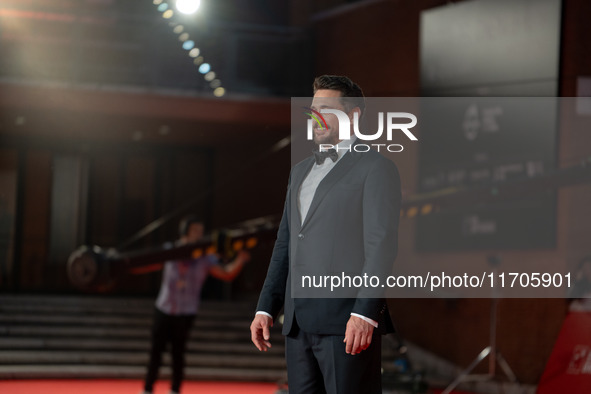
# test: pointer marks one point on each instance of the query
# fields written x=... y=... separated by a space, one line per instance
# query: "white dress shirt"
x=316 y=175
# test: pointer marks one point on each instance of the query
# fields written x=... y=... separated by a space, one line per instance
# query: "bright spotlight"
x=187 y=6
x=188 y=45
x=204 y=68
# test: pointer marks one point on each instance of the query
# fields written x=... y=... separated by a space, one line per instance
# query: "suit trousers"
x=318 y=364
x=173 y=329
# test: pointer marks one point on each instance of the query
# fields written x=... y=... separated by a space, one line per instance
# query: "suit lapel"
x=297 y=181
x=340 y=169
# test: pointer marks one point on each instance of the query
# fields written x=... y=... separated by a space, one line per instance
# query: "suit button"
x=301 y=236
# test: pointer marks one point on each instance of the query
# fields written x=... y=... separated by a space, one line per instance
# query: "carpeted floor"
x=127 y=386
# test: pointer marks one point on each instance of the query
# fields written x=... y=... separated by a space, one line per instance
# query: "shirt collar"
x=343 y=147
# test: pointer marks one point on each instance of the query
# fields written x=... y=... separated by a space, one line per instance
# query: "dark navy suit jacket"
x=351 y=227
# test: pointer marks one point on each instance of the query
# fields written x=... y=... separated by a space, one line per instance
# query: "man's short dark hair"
x=346 y=86
x=186 y=223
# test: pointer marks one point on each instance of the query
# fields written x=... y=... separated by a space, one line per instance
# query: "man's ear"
x=352 y=112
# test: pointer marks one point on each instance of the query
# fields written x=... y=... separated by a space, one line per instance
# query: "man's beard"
x=328 y=137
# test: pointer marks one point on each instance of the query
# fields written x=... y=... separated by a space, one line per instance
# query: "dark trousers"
x=318 y=364
x=173 y=329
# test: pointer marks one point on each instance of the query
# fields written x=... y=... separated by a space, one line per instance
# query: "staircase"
x=105 y=337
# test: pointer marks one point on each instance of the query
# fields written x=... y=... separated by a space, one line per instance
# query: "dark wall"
x=123 y=188
x=100 y=173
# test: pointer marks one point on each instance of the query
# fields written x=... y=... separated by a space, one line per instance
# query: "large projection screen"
x=490 y=48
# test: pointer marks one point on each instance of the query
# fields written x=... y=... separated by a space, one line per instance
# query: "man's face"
x=327 y=99
x=195 y=232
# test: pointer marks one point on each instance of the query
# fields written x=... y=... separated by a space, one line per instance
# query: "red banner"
x=569 y=367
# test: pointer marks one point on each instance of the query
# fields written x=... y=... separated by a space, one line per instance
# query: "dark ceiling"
x=249 y=44
x=116 y=70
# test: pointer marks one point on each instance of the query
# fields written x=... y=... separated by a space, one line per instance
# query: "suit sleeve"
x=381 y=211
x=272 y=295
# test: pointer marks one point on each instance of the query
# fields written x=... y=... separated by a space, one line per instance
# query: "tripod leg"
x=485 y=352
x=506 y=368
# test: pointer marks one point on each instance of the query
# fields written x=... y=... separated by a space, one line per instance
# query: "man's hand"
x=259 y=331
x=358 y=335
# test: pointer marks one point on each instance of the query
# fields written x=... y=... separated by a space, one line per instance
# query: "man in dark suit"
x=341 y=215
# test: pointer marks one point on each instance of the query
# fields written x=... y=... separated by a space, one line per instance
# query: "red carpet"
x=128 y=387
x=104 y=386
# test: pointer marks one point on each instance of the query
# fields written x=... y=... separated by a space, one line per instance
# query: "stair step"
x=107 y=332
x=206 y=310
x=63 y=300
x=104 y=337
x=112 y=321
x=70 y=371
x=21 y=343
x=138 y=358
